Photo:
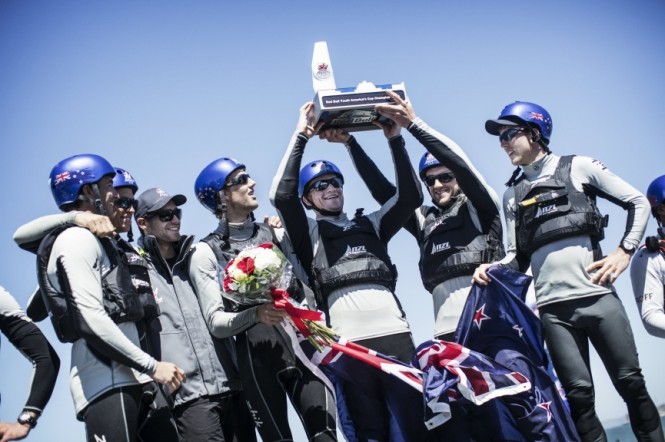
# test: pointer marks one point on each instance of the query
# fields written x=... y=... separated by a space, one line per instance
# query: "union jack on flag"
x=536 y=116
x=64 y=176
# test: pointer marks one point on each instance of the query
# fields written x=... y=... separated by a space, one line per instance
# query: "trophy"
x=348 y=108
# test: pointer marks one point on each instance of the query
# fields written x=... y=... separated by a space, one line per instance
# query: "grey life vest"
x=127 y=293
x=227 y=249
x=553 y=209
x=451 y=246
x=348 y=255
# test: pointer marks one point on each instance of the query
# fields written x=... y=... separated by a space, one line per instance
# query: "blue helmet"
x=212 y=179
x=123 y=178
x=520 y=113
x=656 y=193
x=427 y=162
x=69 y=175
x=314 y=170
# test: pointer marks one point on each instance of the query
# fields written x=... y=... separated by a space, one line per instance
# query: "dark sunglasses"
x=243 y=178
x=510 y=134
x=166 y=215
x=125 y=203
x=444 y=177
x=322 y=185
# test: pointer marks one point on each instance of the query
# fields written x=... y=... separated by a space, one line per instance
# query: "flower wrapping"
x=251 y=276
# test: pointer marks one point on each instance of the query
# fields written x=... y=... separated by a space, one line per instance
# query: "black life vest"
x=451 y=246
x=348 y=255
x=127 y=294
x=561 y=211
x=226 y=250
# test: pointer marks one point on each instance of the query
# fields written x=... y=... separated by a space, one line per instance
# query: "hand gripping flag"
x=497 y=323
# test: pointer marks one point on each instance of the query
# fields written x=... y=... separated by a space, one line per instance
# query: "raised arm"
x=448 y=153
x=284 y=190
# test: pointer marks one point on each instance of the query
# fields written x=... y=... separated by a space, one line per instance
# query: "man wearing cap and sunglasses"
x=348 y=262
x=553 y=224
x=203 y=407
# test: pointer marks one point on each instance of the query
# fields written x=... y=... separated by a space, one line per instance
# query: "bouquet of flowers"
x=262 y=274
x=251 y=276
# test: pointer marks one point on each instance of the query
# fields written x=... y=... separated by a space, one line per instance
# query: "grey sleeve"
x=82 y=257
x=204 y=275
x=29 y=235
x=586 y=171
x=647 y=275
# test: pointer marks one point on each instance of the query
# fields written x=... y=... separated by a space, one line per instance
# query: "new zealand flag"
x=497 y=323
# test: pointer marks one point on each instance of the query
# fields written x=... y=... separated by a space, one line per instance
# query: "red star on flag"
x=546 y=406
x=480 y=316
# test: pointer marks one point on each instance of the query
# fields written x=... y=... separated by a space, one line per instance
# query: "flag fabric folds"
x=497 y=323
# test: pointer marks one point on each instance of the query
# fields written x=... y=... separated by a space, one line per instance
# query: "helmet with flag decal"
x=71 y=174
x=521 y=113
x=313 y=170
x=212 y=179
x=123 y=178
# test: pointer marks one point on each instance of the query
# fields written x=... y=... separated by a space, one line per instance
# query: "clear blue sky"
x=163 y=88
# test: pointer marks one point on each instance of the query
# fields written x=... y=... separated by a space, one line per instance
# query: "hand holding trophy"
x=350 y=108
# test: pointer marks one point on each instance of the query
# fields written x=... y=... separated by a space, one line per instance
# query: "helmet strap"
x=221 y=213
x=98 y=199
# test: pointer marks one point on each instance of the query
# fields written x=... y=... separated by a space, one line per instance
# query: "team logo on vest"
x=436 y=248
x=546 y=210
x=437 y=222
x=354 y=250
x=349 y=226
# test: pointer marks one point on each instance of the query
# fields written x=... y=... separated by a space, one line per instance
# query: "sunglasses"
x=243 y=178
x=322 y=185
x=166 y=215
x=444 y=177
x=125 y=203
x=510 y=134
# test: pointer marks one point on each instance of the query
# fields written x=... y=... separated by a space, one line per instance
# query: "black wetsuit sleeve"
x=469 y=180
x=379 y=186
x=284 y=196
x=30 y=341
x=397 y=211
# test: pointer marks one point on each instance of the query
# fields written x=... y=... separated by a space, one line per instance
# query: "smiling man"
x=348 y=261
x=202 y=406
x=461 y=230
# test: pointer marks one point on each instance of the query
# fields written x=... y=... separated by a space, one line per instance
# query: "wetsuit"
x=108 y=367
x=268 y=365
x=574 y=310
x=454 y=239
x=112 y=392
x=365 y=312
